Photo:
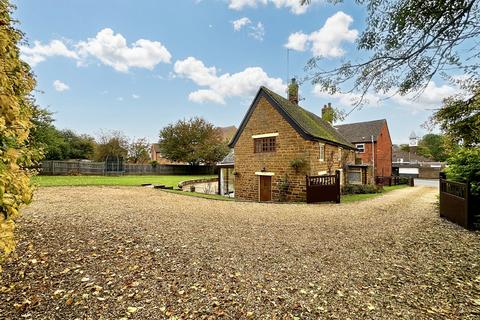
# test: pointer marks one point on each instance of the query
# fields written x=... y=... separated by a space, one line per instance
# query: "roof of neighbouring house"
x=229 y=160
x=227 y=132
x=398 y=154
x=362 y=131
x=156 y=147
x=307 y=124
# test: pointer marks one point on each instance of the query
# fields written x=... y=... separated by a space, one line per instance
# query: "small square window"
x=264 y=145
x=360 y=147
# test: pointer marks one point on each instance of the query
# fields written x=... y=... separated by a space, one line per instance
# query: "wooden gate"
x=323 y=188
x=454 y=200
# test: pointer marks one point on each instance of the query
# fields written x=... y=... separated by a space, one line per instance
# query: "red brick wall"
x=383 y=153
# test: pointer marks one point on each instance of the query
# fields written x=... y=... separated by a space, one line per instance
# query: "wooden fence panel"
x=98 y=168
x=323 y=188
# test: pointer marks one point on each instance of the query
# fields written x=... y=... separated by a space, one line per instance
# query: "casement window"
x=360 y=147
x=321 y=155
x=340 y=154
x=262 y=145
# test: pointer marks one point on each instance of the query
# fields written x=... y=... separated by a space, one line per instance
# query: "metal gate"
x=323 y=188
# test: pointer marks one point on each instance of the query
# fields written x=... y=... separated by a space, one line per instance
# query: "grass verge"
x=59 y=181
x=359 y=197
x=199 y=195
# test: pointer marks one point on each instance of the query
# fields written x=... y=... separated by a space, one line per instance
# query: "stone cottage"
x=278 y=143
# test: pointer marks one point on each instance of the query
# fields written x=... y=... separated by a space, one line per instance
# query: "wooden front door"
x=265 y=188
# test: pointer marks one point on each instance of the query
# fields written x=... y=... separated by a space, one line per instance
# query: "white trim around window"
x=321 y=151
x=362 y=147
x=263 y=173
x=265 y=135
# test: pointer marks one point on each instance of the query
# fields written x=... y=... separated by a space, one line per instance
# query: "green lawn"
x=56 y=181
x=358 y=197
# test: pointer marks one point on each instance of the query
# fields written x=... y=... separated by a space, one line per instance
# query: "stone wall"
x=289 y=146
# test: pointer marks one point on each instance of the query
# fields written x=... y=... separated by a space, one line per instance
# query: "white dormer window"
x=321 y=155
x=360 y=147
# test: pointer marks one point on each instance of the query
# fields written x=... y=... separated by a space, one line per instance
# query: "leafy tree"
x=463 y=166
x=433 y=146
x=139 y=151
x=112 y=143
x=78 y=146
x=45 y=136
x=16 y=85
x=193 y=141
x=407 y=42
x=459 y=119
x=56 y=144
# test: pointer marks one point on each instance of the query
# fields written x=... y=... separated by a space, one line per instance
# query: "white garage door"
x=408 y=170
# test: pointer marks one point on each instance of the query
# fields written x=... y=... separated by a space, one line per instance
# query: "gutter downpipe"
x=373 y=158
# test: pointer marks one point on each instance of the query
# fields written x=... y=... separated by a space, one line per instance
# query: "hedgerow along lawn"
x=59 y=181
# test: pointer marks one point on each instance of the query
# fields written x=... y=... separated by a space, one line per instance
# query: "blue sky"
x=137 y=66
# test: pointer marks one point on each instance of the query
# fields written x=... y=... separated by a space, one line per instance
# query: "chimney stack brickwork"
x=293 y=91
x=327 y=113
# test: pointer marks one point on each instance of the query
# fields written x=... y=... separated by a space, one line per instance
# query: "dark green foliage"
x=58 y=144
x=460 y=119
x=361 y=189
x=192 y=141
x=464 y=166
x=299 y=164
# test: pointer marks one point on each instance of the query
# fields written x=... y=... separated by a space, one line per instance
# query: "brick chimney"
x=327 y=113
x=293 y=91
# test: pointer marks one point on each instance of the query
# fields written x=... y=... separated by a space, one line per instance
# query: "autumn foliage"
x=16 y=84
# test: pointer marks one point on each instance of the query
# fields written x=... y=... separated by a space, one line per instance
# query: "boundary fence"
x=99 y=168
x=458 y=205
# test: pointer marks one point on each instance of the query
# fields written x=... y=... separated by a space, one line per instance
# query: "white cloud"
x=40 y=52
x=257 y=32
x=326 y=42
x=294 y=5
x=431 y=97
x=297 y=41
x=240 y=23
x=120 y=99
x=135 y=96
x=60 y=86
x=220 y=87
x=112 y=50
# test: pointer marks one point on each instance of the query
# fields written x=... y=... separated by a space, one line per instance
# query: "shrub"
x=298 y=164
x=464 y=165
x=16 y=84
x=154 y=163
x=361 y=189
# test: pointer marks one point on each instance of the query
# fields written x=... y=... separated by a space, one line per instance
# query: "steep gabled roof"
x=307 y=124
x=362 y=131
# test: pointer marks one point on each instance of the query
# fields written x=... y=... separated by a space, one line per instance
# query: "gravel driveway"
x=125 y=252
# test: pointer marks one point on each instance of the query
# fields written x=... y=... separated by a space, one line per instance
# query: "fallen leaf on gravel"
x=132 y=309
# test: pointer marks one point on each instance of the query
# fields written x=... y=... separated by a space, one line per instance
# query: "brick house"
x=276 y=133
x=373 y=143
